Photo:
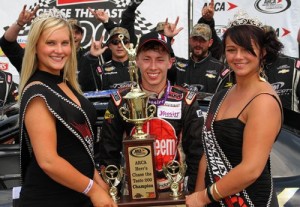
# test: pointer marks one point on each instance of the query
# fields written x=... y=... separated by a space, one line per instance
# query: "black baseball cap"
x=157 y=37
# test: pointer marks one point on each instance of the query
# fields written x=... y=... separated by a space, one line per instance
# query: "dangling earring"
x=261 y=73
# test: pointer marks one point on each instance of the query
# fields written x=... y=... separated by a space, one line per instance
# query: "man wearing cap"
x=176 y=125
x=127 y=19
x=201 y=71
x=114 y=73
x=208 y=18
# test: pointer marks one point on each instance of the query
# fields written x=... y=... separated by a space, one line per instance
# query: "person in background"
x=182 y=129
x=114 y=73
x=15 y=52
x=8 y=90
x=56 y=138
x=208 y=18
x=214 y=48
x=284 y=74
x=85 y=59
x=127 y=20
x=241 y=126
x=9 y=45
x=199 y=73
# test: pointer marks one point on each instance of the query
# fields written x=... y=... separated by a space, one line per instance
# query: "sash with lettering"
x=217 y=163
x=77 y=122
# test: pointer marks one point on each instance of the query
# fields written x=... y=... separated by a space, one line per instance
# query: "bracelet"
x=212 y=192
x=209 y=194
x=216 y=189
x=88 y=187
x=19 y=24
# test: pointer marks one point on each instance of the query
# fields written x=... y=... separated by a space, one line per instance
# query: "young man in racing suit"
x=177 y=123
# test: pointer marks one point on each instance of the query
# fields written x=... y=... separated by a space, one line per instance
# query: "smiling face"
x=241 y=60
x=53 y=50
x=154 y=63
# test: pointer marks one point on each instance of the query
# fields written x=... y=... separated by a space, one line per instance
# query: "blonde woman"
x=56 y=122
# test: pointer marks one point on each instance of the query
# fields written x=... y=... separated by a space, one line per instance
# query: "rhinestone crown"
x=242 y=18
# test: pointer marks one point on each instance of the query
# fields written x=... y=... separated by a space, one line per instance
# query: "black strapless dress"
x=229 y=134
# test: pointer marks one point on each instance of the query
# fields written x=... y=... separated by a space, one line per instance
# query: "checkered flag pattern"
x=41 y=4
x=120 y=3
x=141 y=25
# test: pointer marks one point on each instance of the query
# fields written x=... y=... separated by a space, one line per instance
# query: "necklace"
x=162 y=100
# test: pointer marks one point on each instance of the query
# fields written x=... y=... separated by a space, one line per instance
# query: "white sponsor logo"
x=170 y=110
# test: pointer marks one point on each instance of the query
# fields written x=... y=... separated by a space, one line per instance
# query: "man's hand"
x=208 y=11
x=26 y=16
x=97 y=47
x=100 y=15
x=171 y=30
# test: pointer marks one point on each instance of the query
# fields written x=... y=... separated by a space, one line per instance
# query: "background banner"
x=283 y=15
x=148 y=14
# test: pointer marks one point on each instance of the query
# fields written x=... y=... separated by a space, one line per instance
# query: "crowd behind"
x=245 y=72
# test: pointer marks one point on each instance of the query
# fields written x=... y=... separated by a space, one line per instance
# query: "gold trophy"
x=139 y=148
x=136 y=99
x=175 y=172
x=112 y=176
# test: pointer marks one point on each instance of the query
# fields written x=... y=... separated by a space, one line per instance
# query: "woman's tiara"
x=54 y=12
x=242 y=18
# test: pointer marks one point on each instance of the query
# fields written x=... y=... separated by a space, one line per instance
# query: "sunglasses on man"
x=117 y=41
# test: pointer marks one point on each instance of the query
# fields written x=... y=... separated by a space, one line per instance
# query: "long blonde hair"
x=30 y=61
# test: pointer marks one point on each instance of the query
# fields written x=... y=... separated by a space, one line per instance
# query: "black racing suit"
x=177 y=126
x=8 y=89
x=284 y=76
x=13 y=51
x=202 y=76
x=87 y=76
x=114 y=75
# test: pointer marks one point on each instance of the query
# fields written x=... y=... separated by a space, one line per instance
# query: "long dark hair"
x=243 y=34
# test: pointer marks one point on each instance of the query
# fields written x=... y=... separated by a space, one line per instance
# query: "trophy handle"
x=122 y=112
x=152 y=109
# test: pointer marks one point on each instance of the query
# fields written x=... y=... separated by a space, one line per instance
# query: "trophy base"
x=163 y=199
x=140 y=167
x=172 y=195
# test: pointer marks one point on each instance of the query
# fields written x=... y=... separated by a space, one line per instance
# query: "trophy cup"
x=138 y=148
x=112 y=176
x=175 y=172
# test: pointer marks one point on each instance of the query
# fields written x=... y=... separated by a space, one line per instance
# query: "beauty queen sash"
x=217 y=163
x=83 y=132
